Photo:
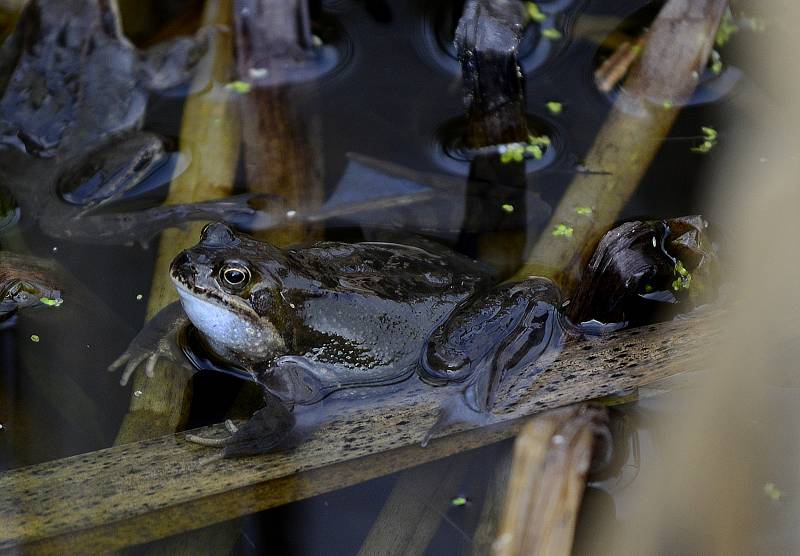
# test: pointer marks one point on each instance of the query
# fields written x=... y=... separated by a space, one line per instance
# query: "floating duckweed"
x=772 y=492
x=727 y=28
x=583 y=211
x=512 y=151
x=552 y=34
x=508 y=208
x=241 y=87
x=534 y=12
x=516 y=151
x=683 y=278
x=458 y=501
x=555 y=107
x=51 y=302
x=716 y=62
x=710 y=135
x=35 y=339
x=563 y=230
x=535 y=144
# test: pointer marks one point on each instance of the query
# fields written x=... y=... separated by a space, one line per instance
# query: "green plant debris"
x=507 y=208
x=583 y=211
x=727 y=28
x=534 y=12
x=35 y=339
x=536 y=144
x=516 y=151
x=555 y=107
x=648 y=288
x=715 y=64
x=709 y=140
x=512 y=152
x=458 y=501
x=772 y=492
x=563 y=230
x=667 y=104
x=683 y=277
x=551 y=34
x=241 y=87
x=51 y=302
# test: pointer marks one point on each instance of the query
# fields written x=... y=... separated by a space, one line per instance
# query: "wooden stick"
x=411 y=516
x=210 y=136
x=151 y=489
x=281 y=131
x=552 y=455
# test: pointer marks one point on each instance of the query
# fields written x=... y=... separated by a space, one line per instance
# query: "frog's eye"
x=234 y=275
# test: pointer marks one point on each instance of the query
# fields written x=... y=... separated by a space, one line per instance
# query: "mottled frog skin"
x=306 y=322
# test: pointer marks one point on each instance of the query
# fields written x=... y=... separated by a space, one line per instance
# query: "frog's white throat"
x=229 y=332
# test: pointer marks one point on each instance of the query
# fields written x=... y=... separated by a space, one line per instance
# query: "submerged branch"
x=151 y=489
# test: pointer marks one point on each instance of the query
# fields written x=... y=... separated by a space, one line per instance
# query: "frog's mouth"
x=228 y=321
x=192 y=293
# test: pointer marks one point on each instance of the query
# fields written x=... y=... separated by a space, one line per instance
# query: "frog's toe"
x=210 y=442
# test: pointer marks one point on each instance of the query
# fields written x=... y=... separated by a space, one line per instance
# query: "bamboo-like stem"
x=210 y=137
x=148 y=490
x=551 y=457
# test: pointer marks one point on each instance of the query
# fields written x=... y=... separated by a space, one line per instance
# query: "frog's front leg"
x=156 y=340
x=267 y=430
x=492 y=336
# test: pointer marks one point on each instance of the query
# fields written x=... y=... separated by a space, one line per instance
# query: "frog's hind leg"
x=490 y=341
x=267 y=430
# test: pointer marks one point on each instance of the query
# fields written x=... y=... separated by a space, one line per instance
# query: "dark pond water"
x=391 y=91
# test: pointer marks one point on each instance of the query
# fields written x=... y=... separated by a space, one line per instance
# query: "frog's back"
x=392 y=271
x=377 y=303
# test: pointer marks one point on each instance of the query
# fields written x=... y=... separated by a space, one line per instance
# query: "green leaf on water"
x=507 y=208
x=458 y=501
x=551 y=34
x=554 y=107
x=51 y=302
x=562 y=230
x=727 y=28
x=241 y=87
x=583 y=211
x=534 y=12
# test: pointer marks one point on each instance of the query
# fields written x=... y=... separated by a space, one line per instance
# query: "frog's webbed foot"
x=494 y=336
x=267 y=430
x=157 y=340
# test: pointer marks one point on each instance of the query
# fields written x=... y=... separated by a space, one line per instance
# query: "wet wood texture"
x=155 y=488
x=552 y=455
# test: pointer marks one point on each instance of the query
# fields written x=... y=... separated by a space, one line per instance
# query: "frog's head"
x=221 y=283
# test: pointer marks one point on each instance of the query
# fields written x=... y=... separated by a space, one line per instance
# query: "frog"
x=306 y=322
x=26 y=282
x=73 y=98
